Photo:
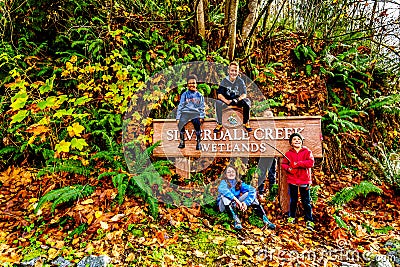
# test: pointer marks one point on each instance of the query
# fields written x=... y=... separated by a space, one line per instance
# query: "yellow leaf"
x=63 y=146
x=87 y=201
x=245 y=250
x=257 y=231
x=73 y=59
x=75 y=130
x=131 y=257
x=69 y=66
x=52 y=253
x=98 y=214
x=37 y=129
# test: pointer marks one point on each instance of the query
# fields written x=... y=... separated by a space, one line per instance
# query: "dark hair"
x=293 y=135
x=191 y=76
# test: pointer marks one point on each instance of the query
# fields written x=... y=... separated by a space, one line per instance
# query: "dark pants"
x=266 y=164
x=305 y=199
x=244 y=103
x=196 y=123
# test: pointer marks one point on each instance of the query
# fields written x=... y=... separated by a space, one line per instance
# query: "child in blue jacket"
x=191 y=108
x=234 y=194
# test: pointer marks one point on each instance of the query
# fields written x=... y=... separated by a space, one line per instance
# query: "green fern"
x=104 y=174
x=314 y=193
x=69 y=166
x=387 y=104
x=350 y=193
x=65 y=194
x=273 y=193
x=340 y=221
x=121 y=181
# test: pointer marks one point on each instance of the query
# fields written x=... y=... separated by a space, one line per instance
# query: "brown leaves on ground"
x=127 y=234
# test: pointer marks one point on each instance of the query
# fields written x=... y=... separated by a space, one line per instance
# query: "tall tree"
x=248 y=24
x=231 y=9
x=200 y=15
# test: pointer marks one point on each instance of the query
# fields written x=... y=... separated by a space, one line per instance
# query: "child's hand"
x=293 y=165
x=243 y=206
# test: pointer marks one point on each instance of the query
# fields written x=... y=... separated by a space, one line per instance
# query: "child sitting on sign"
x=298 y=169
x=191 y=108
x=236 y=195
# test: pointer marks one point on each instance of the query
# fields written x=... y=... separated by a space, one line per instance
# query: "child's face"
x=233 y=72
x=230 y=173
x=192 y=84
x=297 y=142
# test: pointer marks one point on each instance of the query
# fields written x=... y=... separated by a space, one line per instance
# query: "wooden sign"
x=234 y=140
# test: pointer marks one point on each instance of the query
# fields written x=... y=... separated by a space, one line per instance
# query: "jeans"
x=265 y=164
x=196 y=123
x=305 y=199
x=244 y=103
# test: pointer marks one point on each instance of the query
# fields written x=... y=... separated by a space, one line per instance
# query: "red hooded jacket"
x=299 y=168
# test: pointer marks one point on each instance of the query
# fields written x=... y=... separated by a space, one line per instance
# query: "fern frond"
x=104 y=174
x=340 y=221
x=64 y=194
x=350 y=193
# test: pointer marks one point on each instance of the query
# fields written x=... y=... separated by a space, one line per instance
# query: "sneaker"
x=269 y=224
x=290 y=220
x=218 y=128
x=247 y=127
x=310 y=225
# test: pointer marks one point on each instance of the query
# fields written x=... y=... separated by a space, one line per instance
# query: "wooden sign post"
x=235 y=141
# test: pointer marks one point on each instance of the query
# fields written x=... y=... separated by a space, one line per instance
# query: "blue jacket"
x=191 y=102
x=231 y=192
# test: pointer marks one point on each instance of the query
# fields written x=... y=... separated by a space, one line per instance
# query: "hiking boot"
x=218 y=128
x=238 y=226
x=269 y=224
x=290 y=220
x=310 y=225
x=198 y=140
x=247 y=127
x=182 y=140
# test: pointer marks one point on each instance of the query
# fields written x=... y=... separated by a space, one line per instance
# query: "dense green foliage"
x=70 y=71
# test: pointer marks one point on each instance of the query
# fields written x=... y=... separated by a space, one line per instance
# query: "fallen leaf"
x=87 y=201
x=104 y=225
x=199 y=254
x=117 y=217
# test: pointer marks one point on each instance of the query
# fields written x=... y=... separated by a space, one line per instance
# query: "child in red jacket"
x=299 y=177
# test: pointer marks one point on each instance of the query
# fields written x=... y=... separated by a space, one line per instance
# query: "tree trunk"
x=250 y=19
x=232 y=19
x=283 y=188
x=201 y=26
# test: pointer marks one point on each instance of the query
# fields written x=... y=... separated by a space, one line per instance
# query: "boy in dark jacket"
x=232 y=92
x=299 y=177
x=191 y=108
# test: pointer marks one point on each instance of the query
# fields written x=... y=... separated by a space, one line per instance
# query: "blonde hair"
x=234 y=63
